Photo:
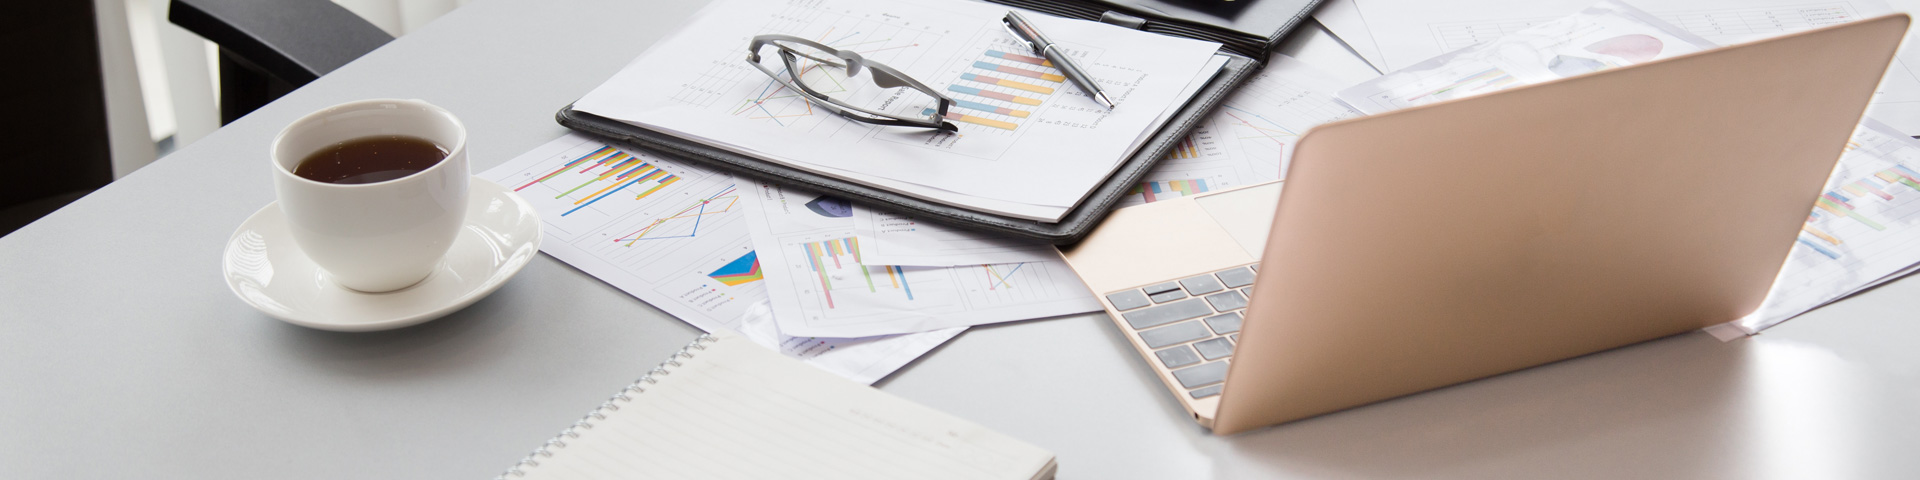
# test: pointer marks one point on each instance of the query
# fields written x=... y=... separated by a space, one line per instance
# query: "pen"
x=1025 y=33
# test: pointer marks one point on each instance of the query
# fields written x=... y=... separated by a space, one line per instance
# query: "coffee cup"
x=385 y=235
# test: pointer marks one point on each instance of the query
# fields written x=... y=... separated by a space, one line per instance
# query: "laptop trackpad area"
x=1246 y=214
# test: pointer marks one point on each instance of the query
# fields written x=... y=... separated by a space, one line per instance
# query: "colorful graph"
x=824 y=258
x=1019 y=58
x=622 y=170
x=715 y=204
x=981 y=121
x=1006 y=83
x=1843 y=202
x=997 y=280
x=1152 y=190
x=1010 y=70
x=1005 y=97
x=740 y=271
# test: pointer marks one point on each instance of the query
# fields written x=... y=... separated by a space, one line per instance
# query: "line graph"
x=722 y=202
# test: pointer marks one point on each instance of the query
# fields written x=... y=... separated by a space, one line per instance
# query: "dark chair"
x=270 y=47
x=56 y=126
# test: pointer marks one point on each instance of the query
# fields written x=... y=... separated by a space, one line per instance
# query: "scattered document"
x=674 y=234
x=1411 y=31
x=1606 y=35
x=888 y=238
x=1864 y=230
x=821 y=286
x=1027 y=137
x=1250 y=138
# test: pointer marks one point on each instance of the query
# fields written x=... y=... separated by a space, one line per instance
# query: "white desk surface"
x=122 y=355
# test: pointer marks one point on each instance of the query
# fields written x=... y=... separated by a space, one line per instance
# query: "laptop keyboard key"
x=1236 y=338
x=1164 y=314
x=1128 y=300
x=1168 y=296
x=1236 y=278
x=1163 y=287
x=1231 y=300
x=1174 y=334
x=1177 y=357
x=1224 y=324
x=1202 y=285
x=1214 y=348
x=1206 y=392
x=1201 y=375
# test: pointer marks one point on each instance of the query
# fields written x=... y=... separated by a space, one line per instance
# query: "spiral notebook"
x=726 y=408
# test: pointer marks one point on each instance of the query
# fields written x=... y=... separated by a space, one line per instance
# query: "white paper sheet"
x=820 y=285
x=1342 y=19
x=1864 y=231
x=674 y=235
x=1410 y=31
x=888 y=238
x=1031 y=140
x=1250 y=138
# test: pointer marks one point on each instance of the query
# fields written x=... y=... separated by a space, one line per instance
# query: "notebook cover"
x=1069 y=229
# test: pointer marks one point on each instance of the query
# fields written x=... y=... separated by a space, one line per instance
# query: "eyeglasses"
x=820 y=89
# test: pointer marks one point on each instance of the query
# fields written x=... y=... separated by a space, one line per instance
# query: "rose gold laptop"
x=1440 y=244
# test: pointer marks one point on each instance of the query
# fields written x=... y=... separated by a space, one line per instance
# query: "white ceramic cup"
x=383 y=236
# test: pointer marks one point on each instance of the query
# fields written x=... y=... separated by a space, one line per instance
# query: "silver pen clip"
x=1007 y=23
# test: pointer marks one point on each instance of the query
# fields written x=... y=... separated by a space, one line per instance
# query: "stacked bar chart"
x=1845 y=203
x=1153 y=191
x=840 y=259
x=999 y=89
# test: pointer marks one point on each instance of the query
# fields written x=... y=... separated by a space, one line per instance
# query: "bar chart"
x=1001 y=88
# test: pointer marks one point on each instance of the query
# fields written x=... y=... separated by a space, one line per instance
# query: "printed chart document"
x=821 y=286
x=1026 y=135
x=1864 y=230
x=674 y=235
x=1411 y=31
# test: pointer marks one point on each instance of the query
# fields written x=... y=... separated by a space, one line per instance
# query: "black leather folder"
x=1247 y=30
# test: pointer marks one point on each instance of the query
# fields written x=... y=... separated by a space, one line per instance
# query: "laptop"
x=1435 y=245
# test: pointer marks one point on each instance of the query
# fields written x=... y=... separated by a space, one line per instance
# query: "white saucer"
x=268 y=271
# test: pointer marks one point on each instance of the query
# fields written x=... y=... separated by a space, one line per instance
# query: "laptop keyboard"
x=1191 y=324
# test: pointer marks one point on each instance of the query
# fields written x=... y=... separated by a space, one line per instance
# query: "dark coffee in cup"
x=370 y=159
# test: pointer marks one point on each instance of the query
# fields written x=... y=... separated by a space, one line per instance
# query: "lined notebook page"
x=739 y=411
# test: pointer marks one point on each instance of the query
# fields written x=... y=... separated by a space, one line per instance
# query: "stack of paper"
x=1863 y=231
x=1030 y=144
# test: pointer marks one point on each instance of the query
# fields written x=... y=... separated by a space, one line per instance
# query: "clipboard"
x=1232 y=24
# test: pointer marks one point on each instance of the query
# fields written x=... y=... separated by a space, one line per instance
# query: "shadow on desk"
x=1686 y=403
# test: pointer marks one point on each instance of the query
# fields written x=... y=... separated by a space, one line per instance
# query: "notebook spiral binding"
x=625 y=395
